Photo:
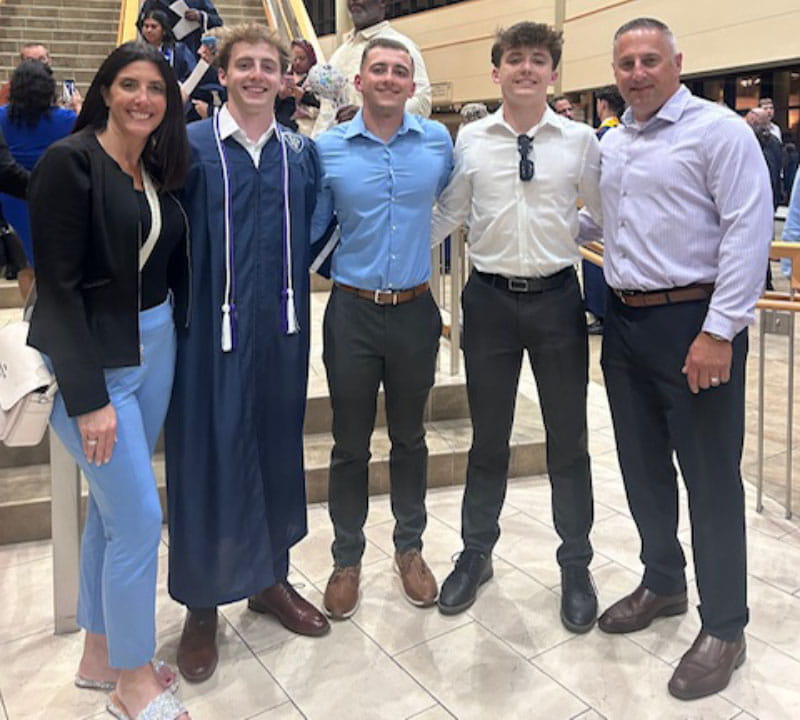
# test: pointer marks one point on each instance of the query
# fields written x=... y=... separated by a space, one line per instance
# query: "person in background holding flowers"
x=109 y=241
x=296 y=106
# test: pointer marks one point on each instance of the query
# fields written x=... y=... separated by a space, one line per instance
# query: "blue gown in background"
x=27 y=144
x=234 y=432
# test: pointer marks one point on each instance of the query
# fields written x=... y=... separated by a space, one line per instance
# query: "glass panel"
x=747 y=91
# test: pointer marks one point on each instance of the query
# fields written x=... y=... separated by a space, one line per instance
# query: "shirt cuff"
x=719 y=324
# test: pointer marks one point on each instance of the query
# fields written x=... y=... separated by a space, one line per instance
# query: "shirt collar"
x=228 y=127
x=411 y=123
x=367 y=33
x=549 y=117
x=670 y=111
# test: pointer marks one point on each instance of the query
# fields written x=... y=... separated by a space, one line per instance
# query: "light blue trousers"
x=119 y=550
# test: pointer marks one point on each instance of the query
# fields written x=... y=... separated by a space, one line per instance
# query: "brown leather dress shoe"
x=419 y=584
x=342 y=593
x=707 y=667
x=291 y=609
x=197 y=649
x=637 y=610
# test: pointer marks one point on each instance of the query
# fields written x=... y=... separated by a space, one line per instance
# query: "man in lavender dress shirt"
x=687 y=215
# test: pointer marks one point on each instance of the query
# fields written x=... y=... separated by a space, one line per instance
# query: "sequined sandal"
x=166 y=674
x=162 y=707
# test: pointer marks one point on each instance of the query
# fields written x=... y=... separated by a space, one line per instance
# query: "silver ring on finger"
x=715 y=381
x=91 y=442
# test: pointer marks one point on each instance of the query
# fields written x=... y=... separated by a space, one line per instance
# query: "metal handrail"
x=777 y=317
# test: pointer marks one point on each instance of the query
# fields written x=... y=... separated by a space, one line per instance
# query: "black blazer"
x=13 y=177
x=86 y=236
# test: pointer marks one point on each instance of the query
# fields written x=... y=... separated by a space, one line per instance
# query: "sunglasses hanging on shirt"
x=526 y=167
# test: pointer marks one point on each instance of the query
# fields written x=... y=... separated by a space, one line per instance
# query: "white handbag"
x=27 y=388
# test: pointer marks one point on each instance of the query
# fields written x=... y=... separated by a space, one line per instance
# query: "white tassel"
x=292 y=326
x=227 y=340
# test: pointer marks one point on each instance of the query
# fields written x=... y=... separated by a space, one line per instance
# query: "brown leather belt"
x=386 y=297
x=652 y=298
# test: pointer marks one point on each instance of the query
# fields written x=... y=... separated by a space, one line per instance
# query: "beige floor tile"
x=531 y=546
x=445 y=504
x=440 y=542
x=771 y=521
x=239 y=688
x=767 y=685
x=36 y=675
x=533 y=497
x=621 y=680
x=390 y=620
x=437 y=712
x=773 y=561
x=774 y=617
x=312 y=555
x=345 y=669
x=261 y=632
x=170 y=614
x=608 y=488
x=520 y=611
x=617 y=538
x=27 y=592
x=19 y=553
x=475 y=675
x=286 y=711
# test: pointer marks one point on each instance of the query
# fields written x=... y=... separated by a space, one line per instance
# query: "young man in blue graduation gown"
x=201 y=11
x=234 y=440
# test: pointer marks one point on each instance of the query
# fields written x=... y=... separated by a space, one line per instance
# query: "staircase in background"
x=79 y=34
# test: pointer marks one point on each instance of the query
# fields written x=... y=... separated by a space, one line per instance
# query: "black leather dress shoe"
x=473 y=568
x=578 y=599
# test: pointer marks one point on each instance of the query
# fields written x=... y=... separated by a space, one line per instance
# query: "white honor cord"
x=155 y=217
x=227 y=336
x=292 y=326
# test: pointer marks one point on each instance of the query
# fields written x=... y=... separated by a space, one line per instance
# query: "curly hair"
x=528 y=35
x=33 y=90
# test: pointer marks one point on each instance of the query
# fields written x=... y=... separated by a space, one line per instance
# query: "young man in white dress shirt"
x=518 y=175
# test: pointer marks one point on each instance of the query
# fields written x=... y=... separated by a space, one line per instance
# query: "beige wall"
x=713 y=35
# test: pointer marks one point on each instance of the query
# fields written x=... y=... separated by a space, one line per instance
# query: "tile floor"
x=508 y=657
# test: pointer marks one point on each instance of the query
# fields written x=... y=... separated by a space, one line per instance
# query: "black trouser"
x=498 y=326
x=366 y=344
x=654 y=415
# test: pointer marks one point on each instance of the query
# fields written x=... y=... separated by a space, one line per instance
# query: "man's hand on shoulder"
x=708 y=362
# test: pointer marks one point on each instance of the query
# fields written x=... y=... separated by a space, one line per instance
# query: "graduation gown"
x=234 y=431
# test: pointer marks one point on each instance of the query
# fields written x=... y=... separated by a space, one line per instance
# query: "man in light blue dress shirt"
x=687 y=217
x=382 y=172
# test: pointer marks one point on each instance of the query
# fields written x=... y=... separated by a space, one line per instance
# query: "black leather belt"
x=527 y=284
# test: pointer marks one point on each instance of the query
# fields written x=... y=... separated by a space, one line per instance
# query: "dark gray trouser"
x=655 y=415
x=366 y=344
x=498 y=326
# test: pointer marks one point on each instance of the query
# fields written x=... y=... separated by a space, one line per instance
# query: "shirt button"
x=624 y=193
x=622 y=223
x=394 y=227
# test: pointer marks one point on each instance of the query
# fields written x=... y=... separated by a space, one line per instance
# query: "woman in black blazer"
x=108 y=238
